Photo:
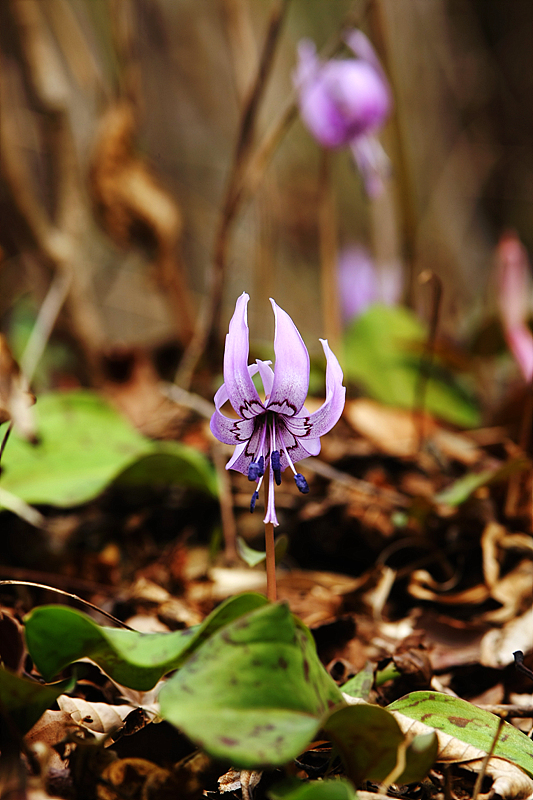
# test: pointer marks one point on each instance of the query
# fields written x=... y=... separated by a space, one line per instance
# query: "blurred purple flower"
x=360 y=284
x=271 y=435
x=344 y=102
x=514 y=286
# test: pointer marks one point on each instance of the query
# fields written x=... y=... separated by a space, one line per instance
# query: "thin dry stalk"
x=208 y=319
x=427 y=277
x=71 y=596
x=515 y=481
x=484 y=765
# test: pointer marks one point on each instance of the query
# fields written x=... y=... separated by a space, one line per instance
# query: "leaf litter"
x=428 y=594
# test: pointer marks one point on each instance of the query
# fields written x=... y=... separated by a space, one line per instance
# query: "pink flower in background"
x=344 y=102
x=514 y=286
x=360 y=283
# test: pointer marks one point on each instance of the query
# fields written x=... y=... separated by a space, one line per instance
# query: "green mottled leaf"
x=23 y=701
x=84 y=445
x=368 y=737
x=469 y=724
x=255 y=693
x=461 y=489
x=361 y=684
x=420 y=756
x=293 y=789
x=56 y=636
x=382 y=351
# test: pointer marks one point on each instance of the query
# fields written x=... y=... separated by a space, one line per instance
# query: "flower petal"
x=323 y=420
x=291 y=370
x=238 y=383
x=267 y=375
x=231 y=431
x=372 y=161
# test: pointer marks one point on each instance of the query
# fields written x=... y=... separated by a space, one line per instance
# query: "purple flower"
x=513 y=279
x=272 y=434
x=360 y=284
x=344 y=102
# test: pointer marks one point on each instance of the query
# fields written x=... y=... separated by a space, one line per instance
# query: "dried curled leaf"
x=100 y=718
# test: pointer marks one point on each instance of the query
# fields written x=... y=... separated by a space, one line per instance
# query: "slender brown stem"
x=427 y=276
x=515 y=481
x=270 y=555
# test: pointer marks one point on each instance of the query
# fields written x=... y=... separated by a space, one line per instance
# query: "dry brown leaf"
x=499 y=644
x=396 y=431
x=136 y=777
x=100 y=718
x=424 y=587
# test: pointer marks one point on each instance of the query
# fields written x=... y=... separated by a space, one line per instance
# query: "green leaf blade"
x=258 y=678
x=469 y=724
x=57 y=636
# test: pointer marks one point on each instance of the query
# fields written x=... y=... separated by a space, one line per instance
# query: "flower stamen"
x=299 y=479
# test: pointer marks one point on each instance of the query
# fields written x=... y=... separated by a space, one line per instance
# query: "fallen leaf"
x=100 y=718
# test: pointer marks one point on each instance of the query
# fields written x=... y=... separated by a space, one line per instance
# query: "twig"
x=188 y=399
x=482 y=771
x=243 y=182
x=507 y=711
x=427 y=276
x=513 y=488
x=519 y=664
x=71 y=596
x=208 y=317
x=332 y=474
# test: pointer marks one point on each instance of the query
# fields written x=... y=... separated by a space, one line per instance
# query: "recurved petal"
x=231 y=431
x=291 y=370
x=317 y=424
x=238 y=383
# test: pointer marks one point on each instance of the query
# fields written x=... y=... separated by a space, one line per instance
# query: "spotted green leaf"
x=255 y=693
x=56 y=636
x=84 y=445
x=469 y=724
x=368 y=738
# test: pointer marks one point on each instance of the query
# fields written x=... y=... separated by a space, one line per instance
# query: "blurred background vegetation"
x=118 y=128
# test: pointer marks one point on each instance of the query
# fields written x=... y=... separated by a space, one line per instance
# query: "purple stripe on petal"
x=291 y=370
x=240 y=388
x=231 y=431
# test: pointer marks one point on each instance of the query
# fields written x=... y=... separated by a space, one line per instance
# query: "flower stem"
x=270 y=554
